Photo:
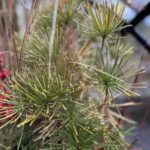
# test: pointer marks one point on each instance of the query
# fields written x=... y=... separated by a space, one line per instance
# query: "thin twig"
x=101 y=50
x=52 y=33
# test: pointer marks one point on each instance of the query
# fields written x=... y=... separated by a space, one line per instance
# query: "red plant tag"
x=4 y=74
x=5 y=108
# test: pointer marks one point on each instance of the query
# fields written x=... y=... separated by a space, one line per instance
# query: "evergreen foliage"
x=49 y=98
